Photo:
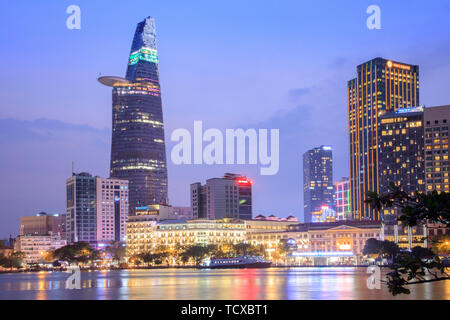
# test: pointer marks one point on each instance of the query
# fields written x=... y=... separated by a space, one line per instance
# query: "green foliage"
x=117 y=251
x=418 y=265
x=385 y=249
x=80 y=252
x=15 y=260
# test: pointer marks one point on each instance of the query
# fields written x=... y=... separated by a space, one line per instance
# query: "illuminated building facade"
x=343 y=240
x=145 y=234
x=226 y=197
x=96 y=209
x=138 y=151
x=437 y=167
x=35 y=247
x=112 y=209
x=401 y=150
x=81 y=208
x=342 y=198
x=381 y=86
x=318 y=186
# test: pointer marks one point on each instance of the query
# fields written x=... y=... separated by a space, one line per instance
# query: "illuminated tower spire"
x=138 y=152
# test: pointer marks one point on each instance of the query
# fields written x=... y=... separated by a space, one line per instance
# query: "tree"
x=15 y=260
x=79 y=252
x=116 y=251
x=409 y=268
x=196 y=252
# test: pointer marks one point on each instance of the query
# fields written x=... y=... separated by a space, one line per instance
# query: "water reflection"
x=247 y=284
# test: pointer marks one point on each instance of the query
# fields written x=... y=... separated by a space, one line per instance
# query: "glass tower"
x=318 y=188
x=138 y=152
x=380 y=87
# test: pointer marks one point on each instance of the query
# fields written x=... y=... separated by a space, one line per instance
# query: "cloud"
x=36 y=160
x=339 y=63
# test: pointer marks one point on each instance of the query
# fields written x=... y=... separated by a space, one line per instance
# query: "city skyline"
x=307 y=93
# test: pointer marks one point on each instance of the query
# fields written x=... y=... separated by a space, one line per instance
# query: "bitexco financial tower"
x=138 y=152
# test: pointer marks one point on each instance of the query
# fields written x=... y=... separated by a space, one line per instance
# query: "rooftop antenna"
x=73 y=168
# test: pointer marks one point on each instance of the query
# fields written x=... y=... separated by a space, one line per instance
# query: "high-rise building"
x=318 y=186
x=226 y=197
x=43 y=224
x=138 y=151
x=437 y=166
x=381 y=86
x=97 y=209
x=437 y=132
x=81 y=208
x=401 y=151
x=342 y=198
x=112 y=209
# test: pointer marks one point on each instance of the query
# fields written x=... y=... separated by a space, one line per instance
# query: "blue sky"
x=261 y=64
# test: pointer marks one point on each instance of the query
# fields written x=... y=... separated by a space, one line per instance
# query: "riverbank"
x=90 y=269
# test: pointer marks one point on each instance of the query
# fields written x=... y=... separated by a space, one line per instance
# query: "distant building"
x=161 y=212
x=36 y=247
x=342 y=199
x=97 y=209
x=183 y=213
x=43 y=224
x=318 y=189
x=324 y=214
x=226 y=197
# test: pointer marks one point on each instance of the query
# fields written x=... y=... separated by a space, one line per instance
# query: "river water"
x=224 y=284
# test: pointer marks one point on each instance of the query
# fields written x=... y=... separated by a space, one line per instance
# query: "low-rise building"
x=341 y=240
x=35 y=248
x=145 y=234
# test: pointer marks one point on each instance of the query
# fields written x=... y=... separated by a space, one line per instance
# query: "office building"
x=318 y=186
x=226 y=197
x=138 y=151
x=97 y=209
x=43 y=224
x=381 y=86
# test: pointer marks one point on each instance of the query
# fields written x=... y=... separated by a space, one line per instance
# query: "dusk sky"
x=231 y=64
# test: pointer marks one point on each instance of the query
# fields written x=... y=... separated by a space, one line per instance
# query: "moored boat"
x=237 y=262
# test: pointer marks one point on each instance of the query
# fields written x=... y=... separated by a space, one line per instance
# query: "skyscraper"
x=401 y=151
x=317 y=182
x=138 y=152
x=381 y=86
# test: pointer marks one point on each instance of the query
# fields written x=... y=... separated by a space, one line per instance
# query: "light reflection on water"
x=245 y=284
